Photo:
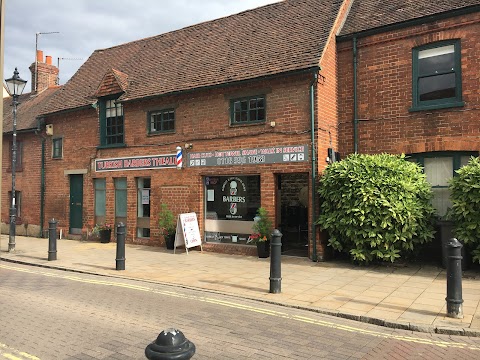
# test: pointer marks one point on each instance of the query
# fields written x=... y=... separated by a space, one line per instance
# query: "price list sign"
x=264 y=155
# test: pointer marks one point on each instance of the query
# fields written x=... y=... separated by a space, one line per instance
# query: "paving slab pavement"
x=410 y=297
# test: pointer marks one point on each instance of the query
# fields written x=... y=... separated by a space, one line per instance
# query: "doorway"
x=76 y=204
x=292 y=199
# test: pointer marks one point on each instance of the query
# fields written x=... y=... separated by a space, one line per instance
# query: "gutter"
x=314 y=162
x=41 y=123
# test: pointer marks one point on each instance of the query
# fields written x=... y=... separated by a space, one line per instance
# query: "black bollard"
x=171 y=344
x=454 y=279
x=52 y=240
x=120 y=260
x=276 y=262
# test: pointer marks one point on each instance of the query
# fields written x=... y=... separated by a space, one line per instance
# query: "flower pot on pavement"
x=170 y=241
x=263 y=249
x=105 y=235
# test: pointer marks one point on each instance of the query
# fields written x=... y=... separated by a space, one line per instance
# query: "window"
x=100 y=200
x=437 y=78
x=111 y=123
x=57 y=148
x=439 y=168
x=143 y=207
x=19 y=157
x=248 y=110
x=18 y=202
x=161 y=121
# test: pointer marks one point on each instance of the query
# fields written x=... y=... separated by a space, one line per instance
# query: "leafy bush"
x=166 y=221
x=262 y=227
x=465 y=211
x=375 y=207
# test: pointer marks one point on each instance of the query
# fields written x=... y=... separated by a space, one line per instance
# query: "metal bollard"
x=454 y=279
x=276 y=262
x=120 y=260
x=52 y=240
x=171 y=344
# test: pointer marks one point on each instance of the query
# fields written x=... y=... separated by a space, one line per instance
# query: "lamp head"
x=15 y=84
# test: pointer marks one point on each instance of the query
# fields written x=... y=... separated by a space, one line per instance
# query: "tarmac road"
x=52 y=314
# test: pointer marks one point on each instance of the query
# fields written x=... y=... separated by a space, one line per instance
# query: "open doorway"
x=292 y=200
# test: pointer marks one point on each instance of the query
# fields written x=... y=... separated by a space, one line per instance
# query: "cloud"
x=87 y=25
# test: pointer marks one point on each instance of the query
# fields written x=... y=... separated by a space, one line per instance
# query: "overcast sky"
x=87 y=25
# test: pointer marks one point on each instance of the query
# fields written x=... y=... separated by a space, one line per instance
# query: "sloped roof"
x=277 y=38
x=30 y=106
x=371 y=14
x=114 y=82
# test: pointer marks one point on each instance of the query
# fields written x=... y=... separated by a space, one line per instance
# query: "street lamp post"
x=15 y=86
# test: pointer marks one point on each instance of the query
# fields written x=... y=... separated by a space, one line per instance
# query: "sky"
x=84 y=26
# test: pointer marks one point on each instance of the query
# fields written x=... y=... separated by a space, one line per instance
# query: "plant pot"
x=263 y=249
x=105 y=235
x=170 y=241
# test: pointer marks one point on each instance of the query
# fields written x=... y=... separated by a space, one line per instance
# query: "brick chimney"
x=46 y=73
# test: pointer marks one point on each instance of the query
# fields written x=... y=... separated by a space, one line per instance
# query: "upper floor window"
x=437 y=78
x=111 y=123
x=161 y=121
x=57 y=148
x=248 y=110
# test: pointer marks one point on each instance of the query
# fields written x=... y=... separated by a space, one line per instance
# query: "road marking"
x=279 y=314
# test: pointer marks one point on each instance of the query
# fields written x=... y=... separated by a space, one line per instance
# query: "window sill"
x=111 y=146
x=437 y=106
x=250 y=123
x=156 y=133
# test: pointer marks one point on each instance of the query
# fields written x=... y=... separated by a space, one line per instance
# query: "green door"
x=76 y=204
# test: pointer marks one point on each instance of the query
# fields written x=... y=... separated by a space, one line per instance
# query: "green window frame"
x=161 y=121
x=442 y=163
x=57 y=148
x=437 y=76
x=248 y=110
x=112 y=127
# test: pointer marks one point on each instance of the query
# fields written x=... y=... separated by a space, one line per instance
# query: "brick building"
x=256 y=102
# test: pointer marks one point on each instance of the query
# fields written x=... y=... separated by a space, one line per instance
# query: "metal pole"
x=13 y=209
x=454 y=279
x=120 y=260
x=52 y=240
x=276 y=262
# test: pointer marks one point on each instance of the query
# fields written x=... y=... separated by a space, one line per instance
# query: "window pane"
x=441 y=200
x=436 y=87
x=121 y=197
x=437 y=60
x=464 y=160
x=100 y=197
x=439 y=170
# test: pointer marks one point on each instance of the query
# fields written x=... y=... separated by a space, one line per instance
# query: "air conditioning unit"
x=49 y=129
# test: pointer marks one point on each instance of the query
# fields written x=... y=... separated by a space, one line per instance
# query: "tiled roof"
x=280 y=37
x=30 y=106
x=371 y=14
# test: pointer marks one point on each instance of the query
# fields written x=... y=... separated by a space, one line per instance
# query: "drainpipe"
x=355 y=103
x=40 y=124
x=314 y=163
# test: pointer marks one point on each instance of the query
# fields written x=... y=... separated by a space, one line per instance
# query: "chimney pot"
x=39 y=56
x=48 y=60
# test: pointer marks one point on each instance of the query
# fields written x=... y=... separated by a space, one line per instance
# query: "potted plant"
x=104 y=231
x=262 y=228
x=167 y=224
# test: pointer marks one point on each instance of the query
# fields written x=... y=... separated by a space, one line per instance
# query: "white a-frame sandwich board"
x=187 y=233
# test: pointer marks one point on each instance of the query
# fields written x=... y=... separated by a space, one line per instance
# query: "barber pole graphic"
x=233 y=208
x=179 y=158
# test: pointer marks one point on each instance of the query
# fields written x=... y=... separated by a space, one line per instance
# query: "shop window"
x=100 y=200
x=231 y=203
x=57 y=148
x=439 y=168
x=111 y=123
x=161 y=121
x=248 y=110
x=437 y=78
x=120 y=201
x=143 y=207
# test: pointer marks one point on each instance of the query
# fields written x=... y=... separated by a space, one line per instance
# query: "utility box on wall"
x=49 y=129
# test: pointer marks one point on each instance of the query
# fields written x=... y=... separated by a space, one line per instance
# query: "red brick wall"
x=202 y=119
x=385 y=92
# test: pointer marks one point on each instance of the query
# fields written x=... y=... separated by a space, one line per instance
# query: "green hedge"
x=465 y=211
x=375 y=207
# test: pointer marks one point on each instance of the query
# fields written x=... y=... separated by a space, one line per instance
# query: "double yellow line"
x=230 y=304
x=7 y=351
